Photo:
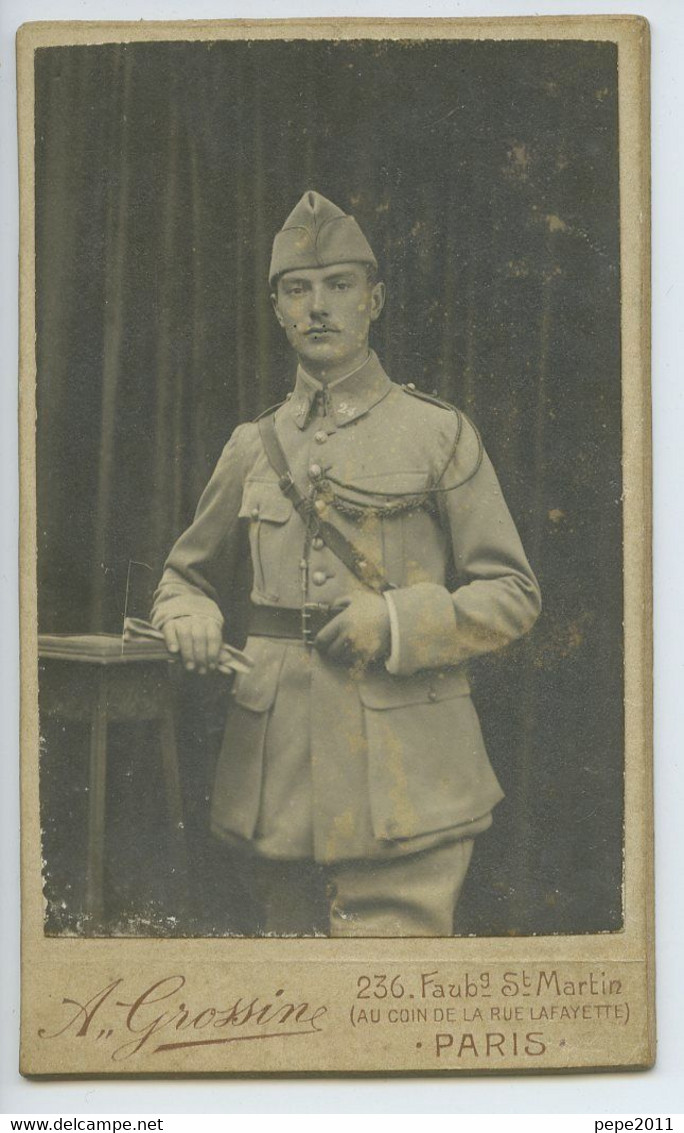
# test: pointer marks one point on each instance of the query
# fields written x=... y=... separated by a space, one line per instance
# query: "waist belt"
x=299 y=625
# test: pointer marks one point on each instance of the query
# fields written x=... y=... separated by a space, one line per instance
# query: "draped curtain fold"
x=485 y=175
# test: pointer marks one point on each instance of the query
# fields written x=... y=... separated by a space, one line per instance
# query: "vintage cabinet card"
x=335 y=547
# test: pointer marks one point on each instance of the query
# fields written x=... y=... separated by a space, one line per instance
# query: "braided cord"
x=414 y=501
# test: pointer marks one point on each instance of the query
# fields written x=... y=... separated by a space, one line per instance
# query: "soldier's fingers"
x=214 y=643
x=330 y=632
x=171 y=637
x=342 y=603
x=199 y=644
x=184 y=631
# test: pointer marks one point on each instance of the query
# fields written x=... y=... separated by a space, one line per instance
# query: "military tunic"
x=334 y=762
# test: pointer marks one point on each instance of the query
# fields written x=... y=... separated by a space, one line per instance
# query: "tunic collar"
x=346 y=398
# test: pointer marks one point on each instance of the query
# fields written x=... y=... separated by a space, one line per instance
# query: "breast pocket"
x=269 y=514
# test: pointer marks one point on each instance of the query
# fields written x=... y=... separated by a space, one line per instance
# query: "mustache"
x=316 y=328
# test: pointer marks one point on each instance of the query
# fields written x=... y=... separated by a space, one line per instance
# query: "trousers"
x=414 y=895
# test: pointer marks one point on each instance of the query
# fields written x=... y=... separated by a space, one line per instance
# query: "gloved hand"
x=359 y=632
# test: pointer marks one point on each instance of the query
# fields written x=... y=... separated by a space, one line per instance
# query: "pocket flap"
x=382 y=690
x=263 y=499
x=371 y=489
x=256 y=689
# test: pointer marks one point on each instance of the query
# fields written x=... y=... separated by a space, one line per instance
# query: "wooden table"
x=104 y=680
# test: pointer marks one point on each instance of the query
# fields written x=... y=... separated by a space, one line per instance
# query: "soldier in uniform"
x=353 y=774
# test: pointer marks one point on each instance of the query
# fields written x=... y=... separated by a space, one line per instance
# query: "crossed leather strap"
x=358 y=563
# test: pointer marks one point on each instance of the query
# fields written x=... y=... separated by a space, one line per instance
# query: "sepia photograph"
x=329 y=495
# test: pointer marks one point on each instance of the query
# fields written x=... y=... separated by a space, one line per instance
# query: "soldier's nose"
x=318 y=307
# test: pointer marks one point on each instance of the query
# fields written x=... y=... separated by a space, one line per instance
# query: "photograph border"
x=633 y=946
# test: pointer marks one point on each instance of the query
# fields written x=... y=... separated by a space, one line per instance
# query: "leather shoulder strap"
x=359 y=564
x=267 y=412
x=343 y=549
x=278 y=461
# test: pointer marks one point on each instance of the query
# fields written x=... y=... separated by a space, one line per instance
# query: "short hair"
x=372 y=274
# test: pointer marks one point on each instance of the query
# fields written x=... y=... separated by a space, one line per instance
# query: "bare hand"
x=197 y=639
x=360 y=632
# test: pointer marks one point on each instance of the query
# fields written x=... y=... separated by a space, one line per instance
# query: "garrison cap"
x=316 y=234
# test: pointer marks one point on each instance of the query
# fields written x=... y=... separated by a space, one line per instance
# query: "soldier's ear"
x=377 y=300
x=276 y=308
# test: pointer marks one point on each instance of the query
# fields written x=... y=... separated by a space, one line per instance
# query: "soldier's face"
x=327 y=312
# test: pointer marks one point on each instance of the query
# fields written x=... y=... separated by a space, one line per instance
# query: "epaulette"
x=411 y=389
x=271 y=409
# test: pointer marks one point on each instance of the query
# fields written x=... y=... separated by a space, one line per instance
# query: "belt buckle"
x=308 y=609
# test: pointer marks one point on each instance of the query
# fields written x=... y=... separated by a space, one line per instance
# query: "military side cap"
x=316 y=234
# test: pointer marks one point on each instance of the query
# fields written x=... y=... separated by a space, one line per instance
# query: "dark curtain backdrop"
x=485 y=175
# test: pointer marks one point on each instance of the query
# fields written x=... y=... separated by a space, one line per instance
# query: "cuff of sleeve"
x=392 y=662
x=424 y=629
x=183 y=606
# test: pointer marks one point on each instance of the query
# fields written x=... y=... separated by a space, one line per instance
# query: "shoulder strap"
x=413 y=392
x=278 y=461
x=271 y=409
x=343 y=549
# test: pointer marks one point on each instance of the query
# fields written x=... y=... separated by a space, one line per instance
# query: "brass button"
x=432 y=695
x=320 y=506
x=315 y=471
x=320 y=437
x=317 y=543
x=255 y=513
x=319 y=578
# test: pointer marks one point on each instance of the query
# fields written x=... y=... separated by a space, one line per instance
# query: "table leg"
x=96 y=806
x=172 y=784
